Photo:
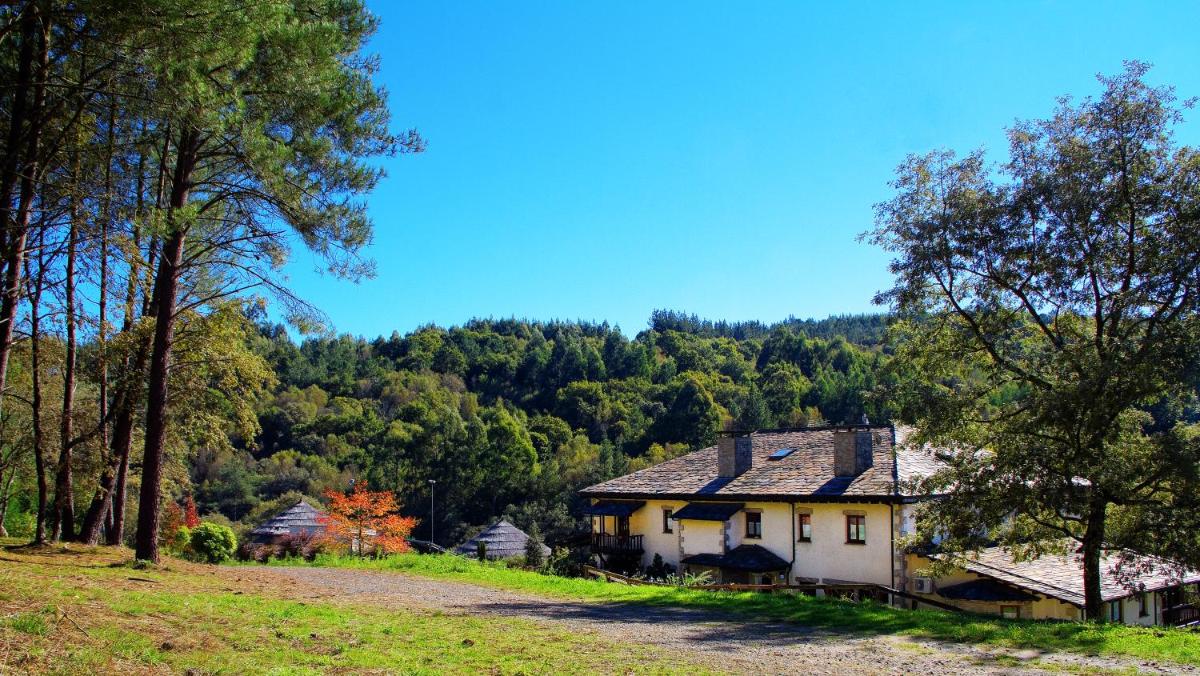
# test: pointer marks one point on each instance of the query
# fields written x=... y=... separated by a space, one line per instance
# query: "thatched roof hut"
x=299 y=519
x=503 y=540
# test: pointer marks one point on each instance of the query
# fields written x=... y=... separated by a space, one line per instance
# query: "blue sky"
x=599 y=160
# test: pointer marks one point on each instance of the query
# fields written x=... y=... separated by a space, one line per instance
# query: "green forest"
x=508 y=417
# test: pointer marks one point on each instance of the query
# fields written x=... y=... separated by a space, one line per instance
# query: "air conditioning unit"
x=923 y=585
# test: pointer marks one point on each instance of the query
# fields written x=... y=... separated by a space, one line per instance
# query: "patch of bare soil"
x=723 y=642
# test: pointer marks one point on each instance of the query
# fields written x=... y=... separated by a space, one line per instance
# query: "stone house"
x=818 y=505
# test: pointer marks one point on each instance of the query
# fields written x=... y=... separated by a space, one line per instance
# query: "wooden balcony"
x=1180 y=615
x=604 y=543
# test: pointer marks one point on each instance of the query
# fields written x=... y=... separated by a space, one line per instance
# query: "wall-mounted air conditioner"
x=923 y=585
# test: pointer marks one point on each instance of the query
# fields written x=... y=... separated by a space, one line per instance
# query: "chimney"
x=734 y=455
x=853 y=452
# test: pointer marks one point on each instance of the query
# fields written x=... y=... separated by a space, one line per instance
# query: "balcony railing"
x=604 y=543
x=1181 y=615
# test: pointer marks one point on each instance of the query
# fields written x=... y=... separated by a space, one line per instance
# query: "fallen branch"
x=70 y=619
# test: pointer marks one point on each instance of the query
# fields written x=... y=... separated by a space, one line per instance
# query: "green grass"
x=79 y=610
x=1152 y=643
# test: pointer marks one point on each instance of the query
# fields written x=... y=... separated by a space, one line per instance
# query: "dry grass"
x=71 y=609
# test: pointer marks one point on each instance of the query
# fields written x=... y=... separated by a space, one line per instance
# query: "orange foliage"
x=369 y=517
x=191 y=517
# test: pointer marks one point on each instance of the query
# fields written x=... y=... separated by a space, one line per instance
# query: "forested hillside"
x=511 y=417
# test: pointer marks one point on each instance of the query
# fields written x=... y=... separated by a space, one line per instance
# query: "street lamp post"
x=432 y=483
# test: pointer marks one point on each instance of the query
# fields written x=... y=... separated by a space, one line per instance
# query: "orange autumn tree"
x=364 y=516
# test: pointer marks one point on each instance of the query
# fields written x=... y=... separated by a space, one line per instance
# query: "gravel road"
x=723 y=642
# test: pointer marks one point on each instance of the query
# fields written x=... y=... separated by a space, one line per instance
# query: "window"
x=1114 y=612
x=622 y=526
x=856 y=529
x=667 y=512
x=1143 y=605
x=1010 y=612
x=805 y=534
x=754 y=524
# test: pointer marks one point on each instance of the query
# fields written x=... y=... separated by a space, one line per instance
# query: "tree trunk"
x=116 y=530
x=5 y=496
x=35 y=336
x=64 y=497
x=122 y=437
x=97 y=512
x=16 y=229
x=166 y=288
x=1093 y=543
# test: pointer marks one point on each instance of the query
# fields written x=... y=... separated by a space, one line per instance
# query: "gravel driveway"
x=723 y=642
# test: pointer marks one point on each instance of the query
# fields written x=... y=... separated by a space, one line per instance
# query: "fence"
x=827 y=589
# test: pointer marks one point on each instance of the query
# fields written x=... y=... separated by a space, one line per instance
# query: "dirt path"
x=724 y=642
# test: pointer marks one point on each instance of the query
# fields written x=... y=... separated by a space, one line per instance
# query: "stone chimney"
x=853 y=452
x=734 y=455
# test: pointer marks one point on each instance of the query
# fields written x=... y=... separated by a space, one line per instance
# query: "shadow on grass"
x=797 y=616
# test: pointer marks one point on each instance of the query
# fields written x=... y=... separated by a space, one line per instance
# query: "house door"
x=622 y=527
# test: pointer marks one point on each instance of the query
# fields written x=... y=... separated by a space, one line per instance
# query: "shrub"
x=566 y=562
x=180 y=544
x=700 y=579
x=535 y=558
x=213 y=542
x=658 y=570
x=305 y=545
x=481 y=550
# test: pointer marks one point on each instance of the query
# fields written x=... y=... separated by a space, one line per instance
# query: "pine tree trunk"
x=16 y=229
x=122 y=437
x=64 y=498
x=35 y=336
x=166 y=289
x=98 y=510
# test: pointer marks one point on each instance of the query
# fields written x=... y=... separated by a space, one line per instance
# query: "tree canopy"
x=1049 y=321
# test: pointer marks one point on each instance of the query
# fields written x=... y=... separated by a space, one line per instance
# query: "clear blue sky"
x=599 y=160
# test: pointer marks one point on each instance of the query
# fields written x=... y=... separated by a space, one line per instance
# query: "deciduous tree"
x=1051 y=329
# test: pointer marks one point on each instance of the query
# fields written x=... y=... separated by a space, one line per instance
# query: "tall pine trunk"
x=35 y=337
x=34 y=31
x=64 y=497
x=166 y=289
x=98 y=510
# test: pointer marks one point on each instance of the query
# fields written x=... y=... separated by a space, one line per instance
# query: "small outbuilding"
x=301 y=519
x=502 y=539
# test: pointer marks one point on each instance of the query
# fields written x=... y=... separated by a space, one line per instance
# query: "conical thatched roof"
x=300 y=518
x=502 y=539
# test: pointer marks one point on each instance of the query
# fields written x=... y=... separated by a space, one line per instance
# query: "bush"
x=180 y=544
x=213 y=542
x=658 y=570
x=305 y=545
x=535 y=558
x=565 y=562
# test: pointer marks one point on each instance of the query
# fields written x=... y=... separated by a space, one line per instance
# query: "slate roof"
x=1061 y=577
x=299 y=518
x=751 y=558
x=708 y=511
x=984 y=589
x=614 y=507
x=502 y=539
x=808 y=472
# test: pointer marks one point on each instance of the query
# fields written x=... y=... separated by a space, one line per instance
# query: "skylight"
x=781 y=454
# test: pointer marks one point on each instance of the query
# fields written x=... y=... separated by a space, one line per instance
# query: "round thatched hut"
x=503 y=540
x=301 y=519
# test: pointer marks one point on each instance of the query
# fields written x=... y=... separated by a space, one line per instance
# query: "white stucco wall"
x=827 y=558
x=647 y=522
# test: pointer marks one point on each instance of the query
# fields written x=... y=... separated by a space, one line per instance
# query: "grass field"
x=78 y=610
x=1151 y=643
